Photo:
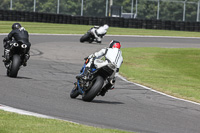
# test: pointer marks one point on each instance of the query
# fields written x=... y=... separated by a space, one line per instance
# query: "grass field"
x=15 y=123
x=172 y=71
x=5 y=27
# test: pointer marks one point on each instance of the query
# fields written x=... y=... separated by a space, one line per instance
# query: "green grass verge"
x=174 y=71
x=51 y=28
x=15 y=123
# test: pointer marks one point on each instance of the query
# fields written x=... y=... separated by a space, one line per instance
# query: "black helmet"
x=115 y=44
x=16 y=26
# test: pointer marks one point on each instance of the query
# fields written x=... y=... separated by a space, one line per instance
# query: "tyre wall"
x=8 y=15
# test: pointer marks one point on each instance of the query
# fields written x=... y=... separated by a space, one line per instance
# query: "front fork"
x=80 y=89
x=83 y=86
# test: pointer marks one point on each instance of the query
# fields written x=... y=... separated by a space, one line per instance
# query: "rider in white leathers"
x=99 y=32
x=112 y=55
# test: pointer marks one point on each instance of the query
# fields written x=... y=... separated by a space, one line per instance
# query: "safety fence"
x=9 y=15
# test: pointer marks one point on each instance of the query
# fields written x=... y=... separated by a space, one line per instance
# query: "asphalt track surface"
x=44 y=87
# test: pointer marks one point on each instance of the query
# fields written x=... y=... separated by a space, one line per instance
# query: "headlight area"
x=24 y=46
x=15 y=44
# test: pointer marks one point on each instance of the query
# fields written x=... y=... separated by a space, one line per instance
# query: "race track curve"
x=44 y=86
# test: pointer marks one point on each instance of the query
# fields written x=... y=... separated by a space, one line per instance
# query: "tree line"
x=146 y=9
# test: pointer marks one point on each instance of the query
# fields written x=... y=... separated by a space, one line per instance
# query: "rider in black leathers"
x=19 y=35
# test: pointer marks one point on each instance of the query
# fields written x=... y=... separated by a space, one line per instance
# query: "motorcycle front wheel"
x=13 y=69
x=89 y=95
x=74 y=93
x=85 y=37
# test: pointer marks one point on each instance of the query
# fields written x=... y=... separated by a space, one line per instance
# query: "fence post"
x=184 y=8
x=82 y=8
x=58 y=5
x=136 y=5
x=106 y=8
x=132 y=9
x=198 y=4
x=10 y=4
x=158 y=10
x=34 y=4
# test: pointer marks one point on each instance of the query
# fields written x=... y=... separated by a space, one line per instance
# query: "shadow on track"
x=106 y=102
x=18 y=77
x=102 y=101
x=93 y=43
x=23 y=78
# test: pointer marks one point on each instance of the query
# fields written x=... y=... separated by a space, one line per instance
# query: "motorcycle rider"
x=112 y=55
x=99 y=32
x=18 y=35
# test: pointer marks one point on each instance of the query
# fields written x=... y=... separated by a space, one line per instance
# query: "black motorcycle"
x=95 y=83
x=89 y=37
x=15 y=58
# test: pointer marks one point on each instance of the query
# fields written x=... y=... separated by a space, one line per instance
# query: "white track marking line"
x=23 y=112
x=156 y=90
x=110 y=35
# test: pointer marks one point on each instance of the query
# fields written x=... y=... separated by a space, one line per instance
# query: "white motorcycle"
x=95 y=82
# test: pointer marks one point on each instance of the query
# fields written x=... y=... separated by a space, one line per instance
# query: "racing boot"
x=91 y=40
x=85 y=74
x=107 y=87
x=98 y=40
x=6 y=55
x=26 y=57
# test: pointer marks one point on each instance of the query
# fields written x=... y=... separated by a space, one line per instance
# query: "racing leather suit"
x=112 y=55
x=20 y=36
x=99 y=32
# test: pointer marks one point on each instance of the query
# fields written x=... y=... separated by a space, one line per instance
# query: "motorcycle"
x=89 y=36
x=16 y=58
x=95 y=83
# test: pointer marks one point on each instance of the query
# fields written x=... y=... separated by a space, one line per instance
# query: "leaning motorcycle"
x=93 y=85
x=89 y=37
x=16 y=58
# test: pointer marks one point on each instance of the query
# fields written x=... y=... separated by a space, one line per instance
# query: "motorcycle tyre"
x=85 y=37
x=95 y=89
x=8 y=71
x=14 y=67
x=74 y=93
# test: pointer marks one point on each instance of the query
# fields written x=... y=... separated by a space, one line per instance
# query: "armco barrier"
x=7 y=15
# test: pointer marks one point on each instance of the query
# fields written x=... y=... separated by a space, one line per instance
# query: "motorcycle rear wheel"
x=95 y=89
x=13 y=69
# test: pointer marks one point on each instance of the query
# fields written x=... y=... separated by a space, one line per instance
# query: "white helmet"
x=106 y=26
